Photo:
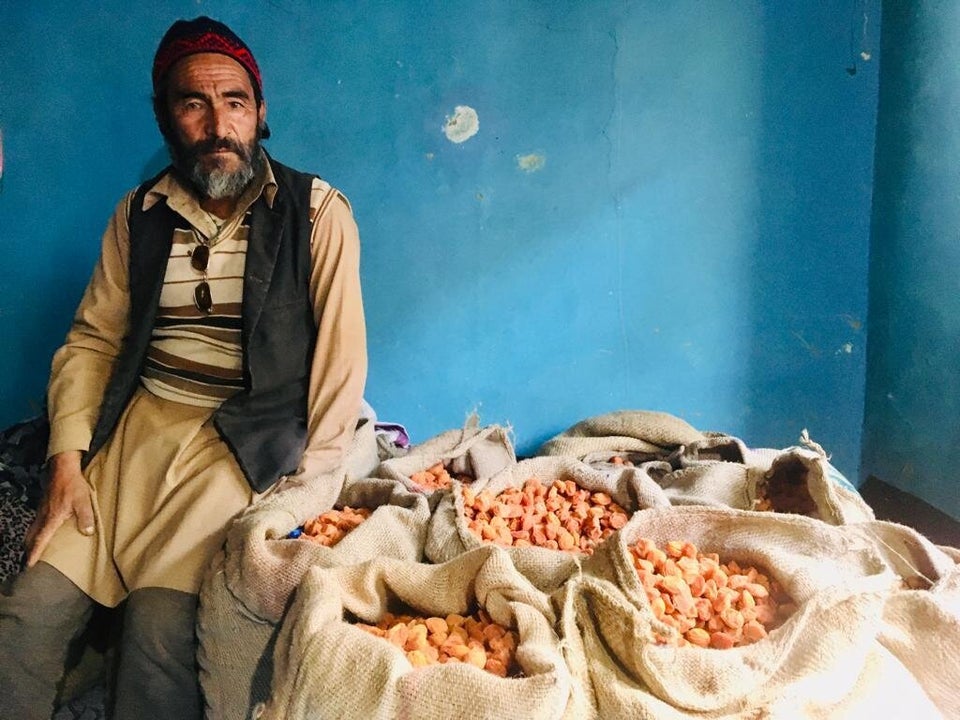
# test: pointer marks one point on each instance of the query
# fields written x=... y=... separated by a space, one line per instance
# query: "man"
x=219 y=346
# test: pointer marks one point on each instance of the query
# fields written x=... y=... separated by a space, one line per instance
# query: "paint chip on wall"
x=532 y=162
x=462 y=125
x=851 y=321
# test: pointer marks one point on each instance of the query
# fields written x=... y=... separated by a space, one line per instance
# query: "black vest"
x=265 y=424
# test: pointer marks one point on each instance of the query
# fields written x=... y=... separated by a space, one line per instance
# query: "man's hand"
x=67 y=495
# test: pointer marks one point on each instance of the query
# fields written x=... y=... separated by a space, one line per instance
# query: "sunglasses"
x=201 y=294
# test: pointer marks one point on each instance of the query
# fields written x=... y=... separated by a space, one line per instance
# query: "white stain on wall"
x=532 y=162
x=462 y=125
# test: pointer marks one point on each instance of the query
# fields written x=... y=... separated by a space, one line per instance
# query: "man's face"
x=214 y=123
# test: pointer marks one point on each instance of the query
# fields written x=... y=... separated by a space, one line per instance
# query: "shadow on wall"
x=808 y=274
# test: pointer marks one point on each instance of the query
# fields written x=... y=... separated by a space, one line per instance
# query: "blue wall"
x=666 y=206
x=912 y=418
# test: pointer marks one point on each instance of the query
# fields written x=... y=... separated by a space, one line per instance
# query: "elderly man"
x=219 y=347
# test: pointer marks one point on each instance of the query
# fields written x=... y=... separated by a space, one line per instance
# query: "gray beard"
x=218 y=184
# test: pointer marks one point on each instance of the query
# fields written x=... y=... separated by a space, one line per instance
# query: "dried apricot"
x=709 y=603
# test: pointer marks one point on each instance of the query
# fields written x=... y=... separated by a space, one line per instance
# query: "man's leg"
x=157 y=676
x=41 y=613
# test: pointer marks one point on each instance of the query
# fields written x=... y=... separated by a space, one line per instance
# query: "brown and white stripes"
x=196 y=357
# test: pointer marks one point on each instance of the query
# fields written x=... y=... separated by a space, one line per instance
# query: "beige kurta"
x=165 y=486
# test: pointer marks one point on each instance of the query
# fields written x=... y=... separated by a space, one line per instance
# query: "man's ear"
x=262 y=120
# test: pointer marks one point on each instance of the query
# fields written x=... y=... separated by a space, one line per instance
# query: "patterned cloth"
x=23 y=448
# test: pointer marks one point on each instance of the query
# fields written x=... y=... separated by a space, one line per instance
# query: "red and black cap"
x=203 y=35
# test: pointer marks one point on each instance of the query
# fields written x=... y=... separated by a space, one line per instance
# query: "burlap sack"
x=449 y=535
x=263 y=566
x=722 y=471
x=921 y=621
x=917 y=561
x=478 y=452
x=879 y=688
x=235 y=650
x=246 y=590
x=641 y=434
x=838 y=580
x=327 y=668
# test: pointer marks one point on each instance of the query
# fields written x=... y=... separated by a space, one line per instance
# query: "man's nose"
x=218 y=122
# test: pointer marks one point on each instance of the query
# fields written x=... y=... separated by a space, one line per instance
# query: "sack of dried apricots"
x=548 y=512
x=470 y=639
x=721 y=471
x=269 y=550
x=708 y=612
x=471 y=455
x=635 y=435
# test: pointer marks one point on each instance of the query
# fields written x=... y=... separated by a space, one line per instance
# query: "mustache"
x=218 y=143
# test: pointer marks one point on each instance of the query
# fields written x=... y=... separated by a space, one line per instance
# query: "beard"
x=216 y=182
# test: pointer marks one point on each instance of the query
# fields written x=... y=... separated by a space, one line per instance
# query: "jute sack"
x=723 y=472
x=327 y=668
x=879 y=688
x=838 y=581
x=263 y=566
x=474 y=451
x=921 y=620
x=240 y=606
x=450 y=536
x=235 y=650
x=641 y=435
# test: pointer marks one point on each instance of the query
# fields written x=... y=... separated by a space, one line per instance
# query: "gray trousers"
x=42 y=613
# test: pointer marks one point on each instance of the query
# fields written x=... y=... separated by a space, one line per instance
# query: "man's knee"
x=43 y=598
x=161 y=624
x=42 y=614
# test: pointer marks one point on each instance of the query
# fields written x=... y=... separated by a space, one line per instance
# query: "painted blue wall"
x=666 y=206
x=912 y=417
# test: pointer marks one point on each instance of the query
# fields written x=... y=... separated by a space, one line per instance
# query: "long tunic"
x=165 y=486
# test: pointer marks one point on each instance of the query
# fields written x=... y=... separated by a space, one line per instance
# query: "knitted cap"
x=202 y=35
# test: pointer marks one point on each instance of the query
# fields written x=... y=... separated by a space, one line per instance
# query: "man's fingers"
x=47 y=523
x=84 y=512
x=32 y=531
x=67 y=496
x=42 y=539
